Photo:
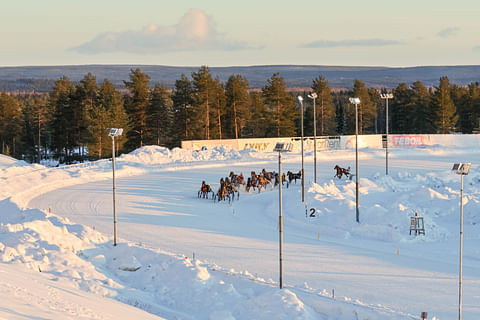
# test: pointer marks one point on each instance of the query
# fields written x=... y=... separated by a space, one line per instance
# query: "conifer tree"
x=11 y=123
x=107 y=112
x=366 y=110
x=159 y=116
x=82 y=103
x=421 y=121
x=203 y=87
x=282 y=106
x=462 y=101
x=183 y=99
x=62 y=125
x=36 y=117
x=218 y=109
x=259 y=121
x=238 y=101
x=136 y=105
x=398 y=108
x=325 y=110
x=445 y=112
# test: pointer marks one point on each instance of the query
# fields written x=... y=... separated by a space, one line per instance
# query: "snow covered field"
x=181 y=257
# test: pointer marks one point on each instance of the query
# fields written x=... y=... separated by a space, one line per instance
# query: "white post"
x=461 y=252
x=114 y=190
x=386 y=96
x=386 y=129
x=280 y=217
x=313 y=96
x=356 y=163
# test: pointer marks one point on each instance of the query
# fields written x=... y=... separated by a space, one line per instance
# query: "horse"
x=237 y=179
x=277 y=179
x=342 y=171
x=267 y=175
x=293 y=176
x=226 y=190
x=205 y=189
x=262 y=183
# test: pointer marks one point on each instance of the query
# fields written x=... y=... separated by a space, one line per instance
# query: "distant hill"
x=41 y=79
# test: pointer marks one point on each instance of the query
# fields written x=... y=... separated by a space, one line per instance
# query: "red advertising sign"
x=408 y=141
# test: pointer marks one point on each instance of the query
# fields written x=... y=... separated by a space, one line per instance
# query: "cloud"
x=448 y=32
x=195 y=30
x=351 y=43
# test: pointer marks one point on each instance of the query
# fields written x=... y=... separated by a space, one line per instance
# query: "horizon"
x=239 y=66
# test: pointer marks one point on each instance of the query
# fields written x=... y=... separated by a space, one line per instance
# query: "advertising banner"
x=408 y=141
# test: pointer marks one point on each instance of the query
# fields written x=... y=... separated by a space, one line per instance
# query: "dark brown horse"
x=342 y=171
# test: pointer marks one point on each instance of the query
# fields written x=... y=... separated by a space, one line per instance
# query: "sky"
x=241 y=33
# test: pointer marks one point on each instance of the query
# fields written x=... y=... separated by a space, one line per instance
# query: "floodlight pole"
x=461 y=169
x=114 y=191
x=313 y=96
x=356 y=102
x=356 y=162
x=281 y=147
x=301 y=124
x=386 y=97
x=114 y=132
x=461 y=251
x=280 y=217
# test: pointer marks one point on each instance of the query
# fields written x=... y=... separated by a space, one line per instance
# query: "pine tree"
x=218 y=109
x=325 y=110
x=259 y=120
x=203 y=86
x=136 y=105
x=398 y=108
x=366 y=110
x=474 y=98
x=11 y=123
x=107 y=112
x=282 y=106
x=83 y=102
x=159 y=116
x=183 y=100
x=443 y=107
x=238 y=102
x=461 y=99
x=422 y=120
x=36 y=117
x=62 y=123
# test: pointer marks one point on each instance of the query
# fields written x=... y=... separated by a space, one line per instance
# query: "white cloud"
x=448 y=32
x=351 y=43
x=195 y=30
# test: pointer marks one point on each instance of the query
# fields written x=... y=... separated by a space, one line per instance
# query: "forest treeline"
x=71 y=123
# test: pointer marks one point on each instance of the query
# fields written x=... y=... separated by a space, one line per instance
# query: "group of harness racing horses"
x=230 y=186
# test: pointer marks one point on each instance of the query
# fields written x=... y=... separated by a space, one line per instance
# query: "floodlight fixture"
x=115 y=132
x=300 y=98
x=386 y=95
x=313 y=95
x=354 y=100
x=283 y=147
x=461 y=168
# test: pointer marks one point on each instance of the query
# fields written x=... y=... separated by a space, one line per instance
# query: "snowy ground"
x=180 y=257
